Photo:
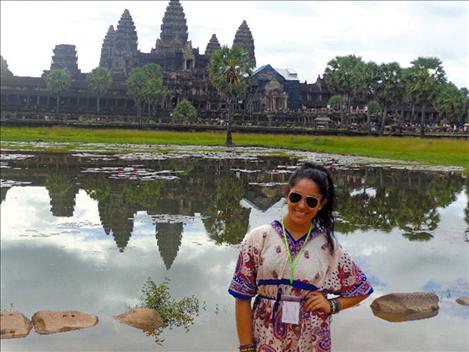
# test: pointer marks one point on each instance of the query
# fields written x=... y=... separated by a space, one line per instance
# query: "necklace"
x=291 y=263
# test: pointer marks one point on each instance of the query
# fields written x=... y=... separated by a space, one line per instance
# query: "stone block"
x=397 y=307
x=51 y=322
x=463 y=300
x=142 y=318
x=14 y=325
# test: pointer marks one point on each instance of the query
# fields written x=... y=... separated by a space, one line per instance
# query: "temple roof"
x=287 y=73
x=106 y=47
x=213 y=45
x=126 y=33
x=174 y=26
x=244 y=38
x=4 y=68
x=110 y=33
x=65 y=57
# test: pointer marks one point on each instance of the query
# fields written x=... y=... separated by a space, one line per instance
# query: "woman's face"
x=300 y=213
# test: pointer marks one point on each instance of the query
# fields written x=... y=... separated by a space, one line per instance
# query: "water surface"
x=85 y=231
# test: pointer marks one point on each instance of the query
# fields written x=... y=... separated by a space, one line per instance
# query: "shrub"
x=172 y=312
x=184 y=112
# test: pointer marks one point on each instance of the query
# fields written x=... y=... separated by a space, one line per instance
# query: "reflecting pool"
x=84 y=231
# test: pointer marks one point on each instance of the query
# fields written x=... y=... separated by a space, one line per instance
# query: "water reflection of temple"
x=62 y=192
x=169 y=238
x=209 y=187
x=116 y=217
x=3 y=193
x=218 y=190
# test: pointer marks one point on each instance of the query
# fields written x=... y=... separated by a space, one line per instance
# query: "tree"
x=145 y=84
x=226 y=220
x=370 y=87
x=335 y=101
x=465 y=92
x=136 y=87
x=426 y=74
x=58 y=82
x=230 y=73
x=154 y=90
x=373 y=108
x=345 y=76
x=99 y=81
x=389 y=88
x=184 y=112
x=450 y=102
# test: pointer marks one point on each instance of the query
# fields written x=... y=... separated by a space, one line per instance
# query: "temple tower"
x=169 y=239
x=107 y=49
x=124 y=53
x=5 y=72
x=172 y=50
x=174 y=26
x=243 y=37
x=65 y=57
x=212 y=46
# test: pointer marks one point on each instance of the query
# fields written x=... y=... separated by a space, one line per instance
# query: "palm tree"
x=389 y=88
x=450 y=102
x=427 y=74
x=58 y=82
x=99 y=81
x=154 y=90
x=145 y=84
x=136 y=87
x=344 y=76
x=230 y=73
x=370 y=87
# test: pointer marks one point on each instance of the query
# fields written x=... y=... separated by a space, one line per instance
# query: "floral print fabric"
x=262 y=270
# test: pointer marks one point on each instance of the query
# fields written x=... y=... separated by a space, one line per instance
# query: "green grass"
x=445 y=151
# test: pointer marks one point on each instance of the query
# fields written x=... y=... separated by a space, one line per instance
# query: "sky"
x=300 y=35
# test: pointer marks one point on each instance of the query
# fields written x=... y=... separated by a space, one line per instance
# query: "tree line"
x=381 y=87
x=388 y=85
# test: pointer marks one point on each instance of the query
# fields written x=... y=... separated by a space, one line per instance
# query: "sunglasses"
x=310 y=200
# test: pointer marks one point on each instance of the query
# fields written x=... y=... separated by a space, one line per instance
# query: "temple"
x=212 y=46
x=275 y=93
x=243 y=37
x=5 y=72
x=65 y=57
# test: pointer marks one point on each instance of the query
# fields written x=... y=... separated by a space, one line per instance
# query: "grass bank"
x=453 y=152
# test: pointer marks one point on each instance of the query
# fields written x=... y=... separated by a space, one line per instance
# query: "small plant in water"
x=172 y=312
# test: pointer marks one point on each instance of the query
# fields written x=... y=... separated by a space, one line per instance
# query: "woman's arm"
x=244 y=321
x=317 y=301
x=347 y=302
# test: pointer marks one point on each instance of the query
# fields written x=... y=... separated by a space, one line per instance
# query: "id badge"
x=290 y=312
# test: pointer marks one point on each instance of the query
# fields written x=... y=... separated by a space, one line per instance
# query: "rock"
x=50 y=322
x=463 y=300
x=14 y=325
x=142 y=318
x=396 y=307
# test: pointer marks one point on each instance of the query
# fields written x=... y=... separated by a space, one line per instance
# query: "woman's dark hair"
x=325 y=216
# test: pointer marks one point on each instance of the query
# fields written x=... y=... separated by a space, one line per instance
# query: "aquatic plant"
x=172 y=312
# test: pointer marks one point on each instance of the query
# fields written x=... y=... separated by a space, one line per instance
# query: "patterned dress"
x=262 y=270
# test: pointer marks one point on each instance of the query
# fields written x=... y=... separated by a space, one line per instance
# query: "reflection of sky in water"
x=70 y=263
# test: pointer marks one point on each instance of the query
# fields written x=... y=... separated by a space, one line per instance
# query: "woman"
x=292 y=266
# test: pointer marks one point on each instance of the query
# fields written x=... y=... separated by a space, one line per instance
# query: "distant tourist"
x=294 y=267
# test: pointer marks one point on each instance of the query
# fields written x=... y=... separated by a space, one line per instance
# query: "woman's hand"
x=317 y=301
